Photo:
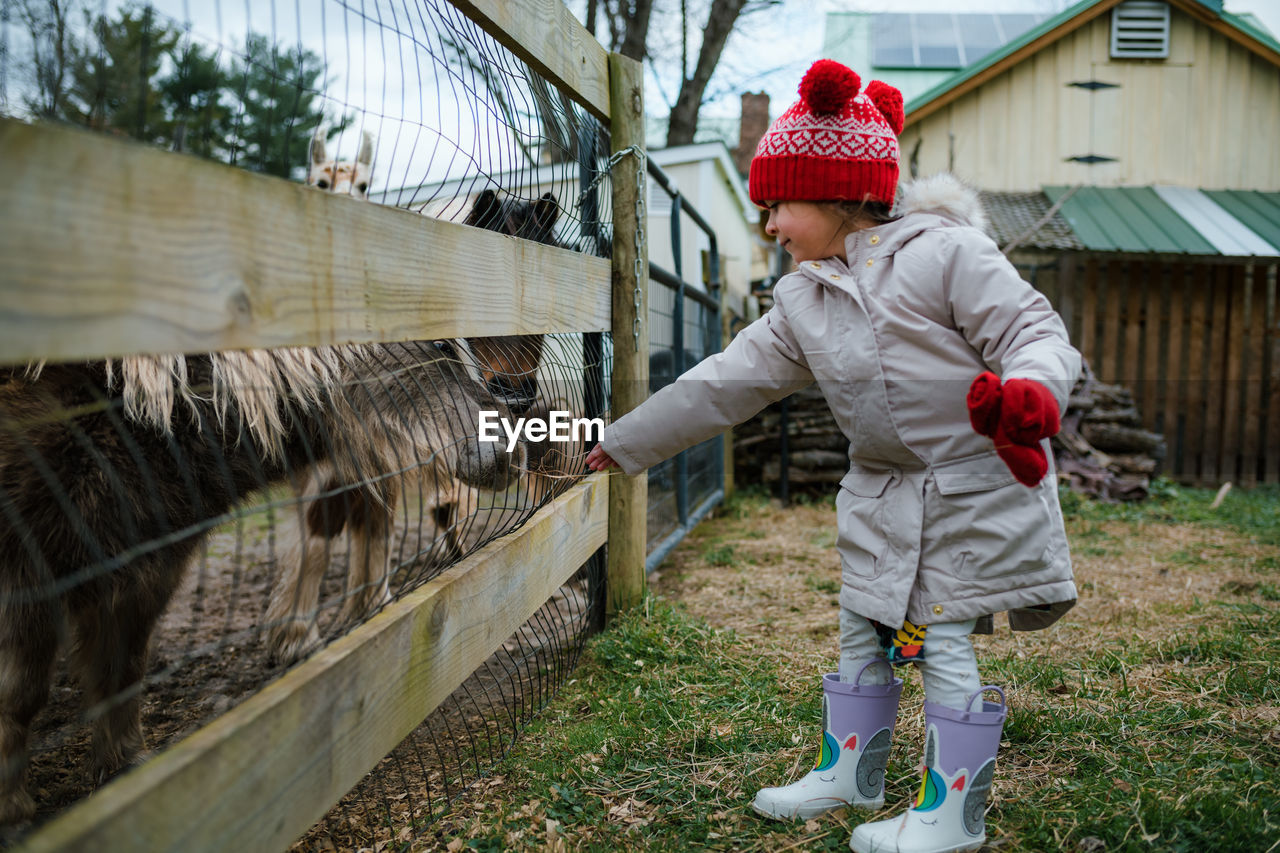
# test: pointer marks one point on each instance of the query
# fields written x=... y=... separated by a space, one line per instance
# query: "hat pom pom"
x=829 y=86
x=888 y=101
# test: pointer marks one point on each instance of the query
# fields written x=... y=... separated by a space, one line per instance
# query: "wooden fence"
x=113 y=248
x=1198 y=343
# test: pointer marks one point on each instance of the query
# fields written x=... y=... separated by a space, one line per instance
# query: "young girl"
x=946 y=516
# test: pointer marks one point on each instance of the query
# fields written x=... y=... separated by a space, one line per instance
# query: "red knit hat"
x=833 y=144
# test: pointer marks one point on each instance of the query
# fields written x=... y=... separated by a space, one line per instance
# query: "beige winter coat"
x=932 y=525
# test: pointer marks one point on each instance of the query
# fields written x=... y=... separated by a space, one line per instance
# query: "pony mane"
x=258 y=384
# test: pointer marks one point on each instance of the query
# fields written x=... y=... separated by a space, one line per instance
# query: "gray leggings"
x=949 y=669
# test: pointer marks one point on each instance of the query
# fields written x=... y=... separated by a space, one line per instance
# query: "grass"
x=1147 y=719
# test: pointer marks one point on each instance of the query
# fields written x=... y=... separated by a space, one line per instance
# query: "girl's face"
x=808 y=231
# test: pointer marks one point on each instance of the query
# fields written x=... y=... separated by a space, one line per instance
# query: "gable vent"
x=1140 y=30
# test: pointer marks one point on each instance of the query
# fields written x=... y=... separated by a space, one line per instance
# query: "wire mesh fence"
x=684 y=323
x=678 y=486
x=466 y=736
x=434 y=107
x=178 y=529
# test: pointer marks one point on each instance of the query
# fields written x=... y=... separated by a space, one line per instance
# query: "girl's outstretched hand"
x=598 y=460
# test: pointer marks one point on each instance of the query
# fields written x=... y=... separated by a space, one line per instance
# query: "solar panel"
x=935 y=30
x=894 y=40
x=936 y=40
x=942 y=40
x=979 y=36
x=939 y=57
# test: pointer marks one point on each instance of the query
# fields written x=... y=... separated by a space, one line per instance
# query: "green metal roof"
x=1246 y=25
x=1242 y=24
x=1260 y=211
x=1172 y=220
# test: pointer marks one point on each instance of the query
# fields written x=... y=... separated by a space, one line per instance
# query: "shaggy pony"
x=113 y=473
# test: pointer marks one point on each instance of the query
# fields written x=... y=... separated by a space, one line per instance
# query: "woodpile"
x=1102 y=449
x=818 y=452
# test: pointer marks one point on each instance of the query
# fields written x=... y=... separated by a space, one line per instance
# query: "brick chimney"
x=755 y=121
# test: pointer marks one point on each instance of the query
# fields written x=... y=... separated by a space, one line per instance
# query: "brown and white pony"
x=507 y=366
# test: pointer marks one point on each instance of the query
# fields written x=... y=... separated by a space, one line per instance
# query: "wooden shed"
x=1129 y=161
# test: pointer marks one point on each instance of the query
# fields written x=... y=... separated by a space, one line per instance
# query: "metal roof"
x=1173 y=220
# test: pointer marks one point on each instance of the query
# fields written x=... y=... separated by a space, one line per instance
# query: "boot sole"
x=873 y=848
x=810 y=812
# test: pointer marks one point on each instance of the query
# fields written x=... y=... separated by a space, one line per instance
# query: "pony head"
x=340 y=176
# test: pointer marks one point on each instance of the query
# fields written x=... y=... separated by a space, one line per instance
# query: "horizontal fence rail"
x=545 y=34
x=148 y=252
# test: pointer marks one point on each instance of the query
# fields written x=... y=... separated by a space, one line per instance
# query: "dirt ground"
x=784 y=581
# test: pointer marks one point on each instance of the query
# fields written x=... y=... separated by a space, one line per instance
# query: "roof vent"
x=1140 y=30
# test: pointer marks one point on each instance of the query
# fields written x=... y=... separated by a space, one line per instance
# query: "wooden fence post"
x=628 y=496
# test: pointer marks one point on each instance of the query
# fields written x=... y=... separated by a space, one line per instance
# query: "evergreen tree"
x=134 y=75
x=113 y=77
x=279 y=106
x=195 y=98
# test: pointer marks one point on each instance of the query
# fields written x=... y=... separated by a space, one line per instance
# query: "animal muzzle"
x=488 y=465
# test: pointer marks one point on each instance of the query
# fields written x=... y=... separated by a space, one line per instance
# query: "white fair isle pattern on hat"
x=830 y=136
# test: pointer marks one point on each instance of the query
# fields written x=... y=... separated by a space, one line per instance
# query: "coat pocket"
x=990 y=524
x=860 y=520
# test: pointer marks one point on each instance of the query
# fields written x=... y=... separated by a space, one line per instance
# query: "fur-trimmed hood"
x=946 y=196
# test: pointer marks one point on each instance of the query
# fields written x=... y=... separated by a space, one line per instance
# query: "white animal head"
x=341 y=176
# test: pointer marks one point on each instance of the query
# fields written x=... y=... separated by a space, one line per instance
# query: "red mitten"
x=1016 y=415
x=1028 y=411
x=984 y=404
x=1026 y=461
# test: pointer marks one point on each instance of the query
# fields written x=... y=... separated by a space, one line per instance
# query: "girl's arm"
x=761 y=365
x=1011 y=324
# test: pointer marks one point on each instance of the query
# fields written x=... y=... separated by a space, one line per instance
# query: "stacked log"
x=1102 y=449
x=818 y=453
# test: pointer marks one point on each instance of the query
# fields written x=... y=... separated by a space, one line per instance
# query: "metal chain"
x=614 y=159
x=640 y=215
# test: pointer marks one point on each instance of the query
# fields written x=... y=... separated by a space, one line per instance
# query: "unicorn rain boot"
x=857 y=725
x=959 y=760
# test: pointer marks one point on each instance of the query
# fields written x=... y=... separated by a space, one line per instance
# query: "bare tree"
x=721 y=20
x=54 y=49
x=629 y=34
x=636 y=13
